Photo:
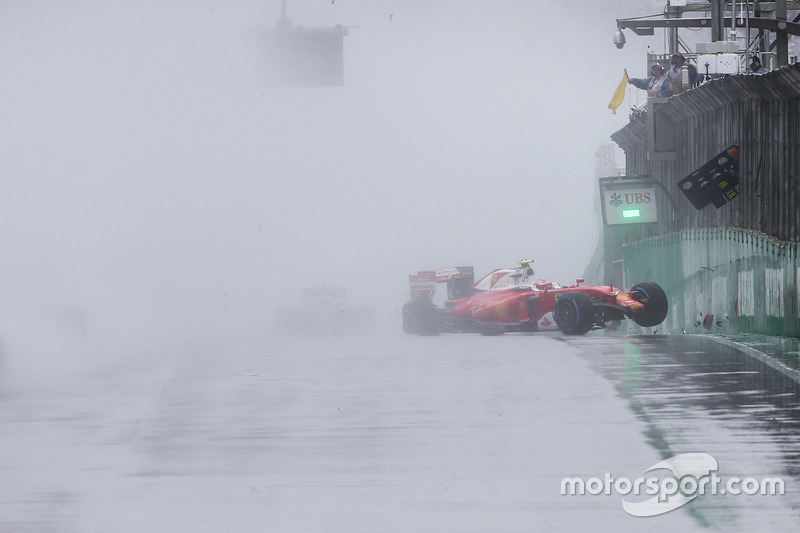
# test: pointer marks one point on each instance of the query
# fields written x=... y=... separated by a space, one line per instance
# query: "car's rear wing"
x=329 y=295
x=459 y=281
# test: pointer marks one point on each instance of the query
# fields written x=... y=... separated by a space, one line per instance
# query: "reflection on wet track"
x=698 y=395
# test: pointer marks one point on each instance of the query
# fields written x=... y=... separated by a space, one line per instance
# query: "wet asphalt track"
x=454 y=433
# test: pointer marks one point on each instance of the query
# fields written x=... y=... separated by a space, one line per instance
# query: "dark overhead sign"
x=715 y=182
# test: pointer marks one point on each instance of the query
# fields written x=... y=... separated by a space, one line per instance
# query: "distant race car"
x=324 y=313
x=509 y=299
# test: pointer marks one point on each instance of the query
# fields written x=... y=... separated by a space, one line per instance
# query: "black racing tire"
x=420 y=317
x=574 y=313
x=655 y=303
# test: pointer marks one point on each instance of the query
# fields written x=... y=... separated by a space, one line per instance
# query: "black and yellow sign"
x=715 y=182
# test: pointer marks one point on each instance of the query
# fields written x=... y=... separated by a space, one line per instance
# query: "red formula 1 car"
x=510 y=299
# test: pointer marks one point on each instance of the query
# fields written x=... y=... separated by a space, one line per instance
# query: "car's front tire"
x=574 y=313
x=655 y=303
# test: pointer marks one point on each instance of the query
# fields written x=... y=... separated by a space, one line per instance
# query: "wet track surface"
x=454 y=433
x=685 y=381
x=697 y=395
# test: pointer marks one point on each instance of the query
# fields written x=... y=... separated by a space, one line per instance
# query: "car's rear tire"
x=420 y=317
x=655 y=303
x=574 y=313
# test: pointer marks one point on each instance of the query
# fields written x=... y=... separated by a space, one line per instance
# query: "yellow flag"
x=619 y=94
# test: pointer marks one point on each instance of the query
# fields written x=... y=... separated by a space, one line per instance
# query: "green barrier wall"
x=746 y=281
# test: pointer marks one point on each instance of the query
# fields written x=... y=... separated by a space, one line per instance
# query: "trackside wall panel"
x=721 y=280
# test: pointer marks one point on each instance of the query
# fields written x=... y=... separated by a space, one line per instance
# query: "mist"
x=156 y=192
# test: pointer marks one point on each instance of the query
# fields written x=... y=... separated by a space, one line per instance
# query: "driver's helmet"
x=525 y=268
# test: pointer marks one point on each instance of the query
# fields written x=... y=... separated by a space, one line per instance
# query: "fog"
x=156 y=192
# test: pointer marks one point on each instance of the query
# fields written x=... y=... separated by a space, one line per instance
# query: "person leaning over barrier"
x=656 y=85
x=756 y=67
x=675 y=74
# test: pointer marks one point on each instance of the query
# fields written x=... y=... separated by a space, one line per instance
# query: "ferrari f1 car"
x=510 y=299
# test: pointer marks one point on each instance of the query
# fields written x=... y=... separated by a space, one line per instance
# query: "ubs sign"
x=628 y=203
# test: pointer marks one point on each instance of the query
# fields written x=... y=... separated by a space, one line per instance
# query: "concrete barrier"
x=720 y=280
